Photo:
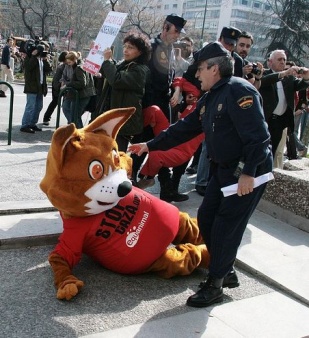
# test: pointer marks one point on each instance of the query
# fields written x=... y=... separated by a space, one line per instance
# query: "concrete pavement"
x=273 y=266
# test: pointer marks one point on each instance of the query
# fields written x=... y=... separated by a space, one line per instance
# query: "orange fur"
x=79 y=163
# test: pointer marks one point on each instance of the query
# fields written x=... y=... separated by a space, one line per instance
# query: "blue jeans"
x=203 y=167
x=32 y=111
x=69 y=109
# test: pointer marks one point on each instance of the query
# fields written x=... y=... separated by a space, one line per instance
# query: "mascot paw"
x=69 y=288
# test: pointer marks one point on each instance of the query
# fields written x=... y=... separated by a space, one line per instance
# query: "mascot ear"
x=111 y=121
x=60 y=139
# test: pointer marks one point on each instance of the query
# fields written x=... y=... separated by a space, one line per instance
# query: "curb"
x=24 y=242
x=258 y=274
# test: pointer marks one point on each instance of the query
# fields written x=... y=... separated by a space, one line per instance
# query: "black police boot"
x=177 y=197
x=168 y=194
x=209 y=294
x=229 y=281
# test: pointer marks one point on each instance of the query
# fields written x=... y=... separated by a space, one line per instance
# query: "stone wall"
x=287 y=197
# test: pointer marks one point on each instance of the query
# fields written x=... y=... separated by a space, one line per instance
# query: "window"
x=174 y=5
x=256 y=5
x=190 y=4
x=245 y=2
x=166 y=6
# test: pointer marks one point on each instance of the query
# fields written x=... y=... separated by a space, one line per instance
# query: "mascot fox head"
x=85 y=173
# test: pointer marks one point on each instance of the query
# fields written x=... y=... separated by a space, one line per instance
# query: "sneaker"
x=45 y=123
x=36 y=128
x=191 y=170
x=145 y=183
x=27 y=130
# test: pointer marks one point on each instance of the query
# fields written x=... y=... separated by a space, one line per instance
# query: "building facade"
x=210 y=16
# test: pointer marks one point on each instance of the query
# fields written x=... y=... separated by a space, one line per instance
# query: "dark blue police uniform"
x=232 y=118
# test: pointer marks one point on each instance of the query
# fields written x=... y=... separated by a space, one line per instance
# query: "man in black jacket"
x=6 y=71
x=36 y=68
x=277 y=89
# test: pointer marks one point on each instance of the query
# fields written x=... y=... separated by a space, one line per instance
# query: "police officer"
x=230 y=113
x=228 y=37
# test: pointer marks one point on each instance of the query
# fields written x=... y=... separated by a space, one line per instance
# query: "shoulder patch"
x=202 y=110
x=245 y=102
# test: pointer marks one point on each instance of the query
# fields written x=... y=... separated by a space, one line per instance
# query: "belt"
x=225 y=165
x=275 y=117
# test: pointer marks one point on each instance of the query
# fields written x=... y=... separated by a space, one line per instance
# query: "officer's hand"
x=138 y=148
x=245 y=185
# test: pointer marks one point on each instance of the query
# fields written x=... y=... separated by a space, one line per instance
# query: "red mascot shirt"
x=127 y=238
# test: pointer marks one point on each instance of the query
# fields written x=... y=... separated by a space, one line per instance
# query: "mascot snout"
x=124 y=188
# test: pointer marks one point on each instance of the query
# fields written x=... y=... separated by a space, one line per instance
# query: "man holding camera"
x=277 y=89
x=251 y=71
x=36 y=68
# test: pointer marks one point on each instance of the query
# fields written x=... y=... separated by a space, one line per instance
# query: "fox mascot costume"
x=125 y=229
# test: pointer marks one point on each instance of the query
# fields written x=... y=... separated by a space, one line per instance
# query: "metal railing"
x=11 y=111
x=76 y=97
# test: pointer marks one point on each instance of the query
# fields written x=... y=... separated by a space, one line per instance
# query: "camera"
x=180 y=44
x=300 y=71
x=185 y=53
x=39 y=45
x=255 y=69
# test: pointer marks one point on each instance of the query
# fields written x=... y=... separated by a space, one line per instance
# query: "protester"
x=125 y=85
x=83 y=83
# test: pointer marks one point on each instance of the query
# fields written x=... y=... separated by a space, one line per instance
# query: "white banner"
x=104 y=39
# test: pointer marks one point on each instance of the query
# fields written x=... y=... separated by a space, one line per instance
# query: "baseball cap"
x=177 y=21
x=212 y=50
x=230 y=34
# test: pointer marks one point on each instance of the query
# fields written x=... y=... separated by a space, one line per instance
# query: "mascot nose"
x=124 y=188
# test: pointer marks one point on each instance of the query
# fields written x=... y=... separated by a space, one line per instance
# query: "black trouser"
x=162 y=100
x=223 y=220
x=51 y=107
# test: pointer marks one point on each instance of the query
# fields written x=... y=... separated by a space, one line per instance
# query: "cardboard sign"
x=104 y=39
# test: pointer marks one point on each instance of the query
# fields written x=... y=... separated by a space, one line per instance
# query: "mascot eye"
x=96 y=170
x=116 y=157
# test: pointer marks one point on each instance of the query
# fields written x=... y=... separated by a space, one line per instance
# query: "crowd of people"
x=210 y=112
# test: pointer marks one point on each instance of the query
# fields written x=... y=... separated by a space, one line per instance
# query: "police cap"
x=230 y=34
x=177 y=21
x=212 y=50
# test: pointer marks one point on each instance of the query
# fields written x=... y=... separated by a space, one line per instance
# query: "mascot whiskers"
x=123 y=228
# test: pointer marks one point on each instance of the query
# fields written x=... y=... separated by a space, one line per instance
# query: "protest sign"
x=104 y=39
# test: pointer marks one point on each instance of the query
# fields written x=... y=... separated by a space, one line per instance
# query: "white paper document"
x=232 y=189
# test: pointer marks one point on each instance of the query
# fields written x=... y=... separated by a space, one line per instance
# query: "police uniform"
x=236 y=134
x=230 y=35
x=162 y=66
